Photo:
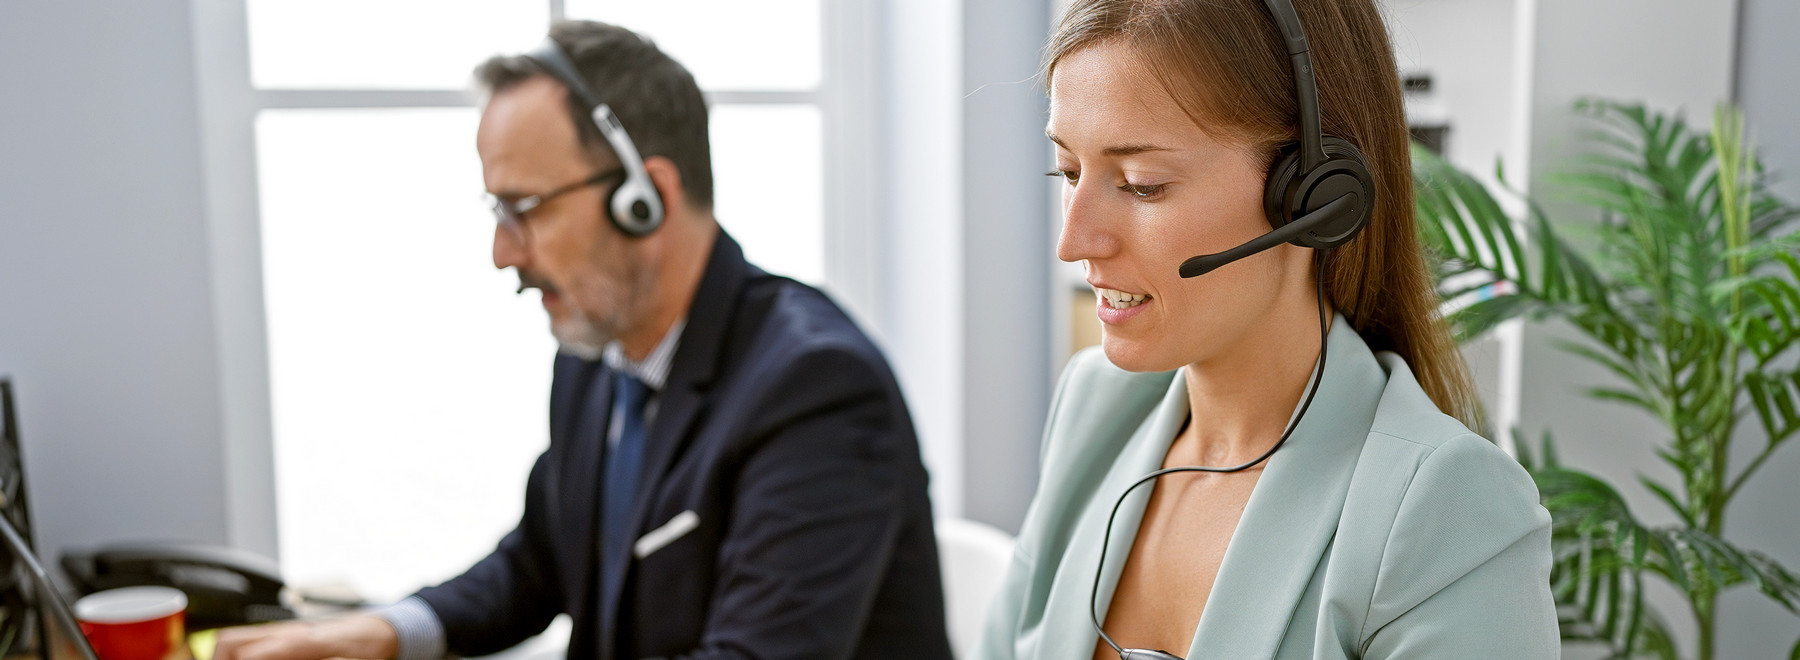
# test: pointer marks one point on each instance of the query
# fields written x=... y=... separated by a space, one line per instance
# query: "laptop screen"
x=25 y=588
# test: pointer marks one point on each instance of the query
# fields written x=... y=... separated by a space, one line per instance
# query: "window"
x=408 y=386
x=403 y=371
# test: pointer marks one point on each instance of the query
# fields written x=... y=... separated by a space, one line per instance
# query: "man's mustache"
x=528 y=280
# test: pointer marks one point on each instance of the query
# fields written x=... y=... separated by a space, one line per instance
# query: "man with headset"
x=732 y=471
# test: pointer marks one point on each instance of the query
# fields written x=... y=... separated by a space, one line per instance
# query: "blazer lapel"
x=683 y=395
x=1071 y=596
x=1293 y=512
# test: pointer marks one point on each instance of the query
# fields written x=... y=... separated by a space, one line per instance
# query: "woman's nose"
x=1086 y=230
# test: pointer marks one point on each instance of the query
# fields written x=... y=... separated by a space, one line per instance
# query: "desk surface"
x=200 y=644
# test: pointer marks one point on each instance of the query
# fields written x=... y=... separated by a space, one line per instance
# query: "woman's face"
x=1147 y=189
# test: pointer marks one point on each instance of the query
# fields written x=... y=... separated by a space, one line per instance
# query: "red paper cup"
x=135 y=623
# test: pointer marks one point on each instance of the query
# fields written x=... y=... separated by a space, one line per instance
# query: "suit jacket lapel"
x=569 y=382
x=1293 y=513
x=683 y=395
x=580 y=412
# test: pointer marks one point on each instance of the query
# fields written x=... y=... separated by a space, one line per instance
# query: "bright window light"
x=763 y=44
x=409 y=384
x=768 y=185
x=385 y=44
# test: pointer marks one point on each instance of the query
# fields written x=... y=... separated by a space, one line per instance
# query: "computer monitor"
x=25 y=587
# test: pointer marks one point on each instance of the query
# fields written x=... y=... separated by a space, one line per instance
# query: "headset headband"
x=1306 y=91
x=634 y=205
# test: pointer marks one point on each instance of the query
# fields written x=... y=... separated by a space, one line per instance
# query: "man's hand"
x=359 y=636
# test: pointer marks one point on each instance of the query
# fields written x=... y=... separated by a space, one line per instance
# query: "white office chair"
x=974 y=558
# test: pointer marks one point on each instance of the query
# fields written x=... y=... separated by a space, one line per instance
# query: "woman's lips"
x=1115 y=306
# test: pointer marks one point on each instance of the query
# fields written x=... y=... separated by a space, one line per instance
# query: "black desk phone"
x=224 y=586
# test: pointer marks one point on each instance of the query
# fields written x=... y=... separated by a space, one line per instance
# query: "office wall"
x=1767 y=89
x=1007 y=259
x=919 y=202
x=966 y=258
x=106 y=323
x=1763 y=517
x=1467 y=47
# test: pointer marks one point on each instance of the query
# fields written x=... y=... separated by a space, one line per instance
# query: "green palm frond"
x=1687 y=290
x=1768 y=214
x=1699 y=563
x=1771 y=325
x=1598 y=559
x=1599 y=562
x=1776 y=397
x=1601 y=553
x=1469 y=234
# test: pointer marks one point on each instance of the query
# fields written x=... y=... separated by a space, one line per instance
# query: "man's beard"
x=575 y=334
x=578 y=336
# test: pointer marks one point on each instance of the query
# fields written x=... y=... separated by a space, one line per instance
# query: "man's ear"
x=667 y=179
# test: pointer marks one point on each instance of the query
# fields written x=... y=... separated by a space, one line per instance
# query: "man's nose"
x=509 y=251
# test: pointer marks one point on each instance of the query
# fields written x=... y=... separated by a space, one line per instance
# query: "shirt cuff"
x=421 y=633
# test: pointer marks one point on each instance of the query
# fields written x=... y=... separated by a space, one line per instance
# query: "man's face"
x=594 y=280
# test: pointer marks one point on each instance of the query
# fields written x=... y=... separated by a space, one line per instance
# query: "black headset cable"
x=1311 y=389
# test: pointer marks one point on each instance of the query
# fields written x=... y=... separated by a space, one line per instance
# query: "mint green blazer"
x=1382 y=529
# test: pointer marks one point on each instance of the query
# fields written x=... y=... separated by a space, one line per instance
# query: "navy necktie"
x=623 y=461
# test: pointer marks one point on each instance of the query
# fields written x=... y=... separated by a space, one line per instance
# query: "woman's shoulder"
x=1444 y=463
x=1432 y=499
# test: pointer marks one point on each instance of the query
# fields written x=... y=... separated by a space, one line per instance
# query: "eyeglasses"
x=510 y=213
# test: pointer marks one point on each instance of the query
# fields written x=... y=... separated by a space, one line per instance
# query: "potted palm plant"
x=1690 y=295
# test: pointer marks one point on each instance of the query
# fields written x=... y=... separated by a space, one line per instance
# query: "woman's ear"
x=667 y=179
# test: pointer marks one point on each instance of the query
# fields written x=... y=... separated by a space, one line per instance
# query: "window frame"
x=230 y=105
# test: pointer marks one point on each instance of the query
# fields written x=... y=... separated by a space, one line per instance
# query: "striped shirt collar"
x=654 y=370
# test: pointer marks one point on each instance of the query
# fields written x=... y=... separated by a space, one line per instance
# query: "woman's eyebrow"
x=1131 y=149
x=1115 y=150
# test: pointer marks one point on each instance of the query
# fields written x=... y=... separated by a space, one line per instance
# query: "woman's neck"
x=1241 y=399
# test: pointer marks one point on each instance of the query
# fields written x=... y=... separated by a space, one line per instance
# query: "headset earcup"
x=606 y=210
x=1282 y=175
x=628 y=209
x=1290 y=193
x=1345 y=172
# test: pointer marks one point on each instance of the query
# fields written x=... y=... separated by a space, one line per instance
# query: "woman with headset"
x=1271 y=457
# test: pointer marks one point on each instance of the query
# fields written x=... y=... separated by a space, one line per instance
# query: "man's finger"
x=232 y=640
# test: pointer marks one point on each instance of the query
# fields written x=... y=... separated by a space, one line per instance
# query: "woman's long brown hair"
x=1223 y=62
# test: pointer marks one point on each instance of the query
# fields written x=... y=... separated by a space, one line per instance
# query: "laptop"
x=25 y=587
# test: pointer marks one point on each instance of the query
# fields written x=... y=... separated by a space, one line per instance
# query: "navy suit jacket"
x=782 y=429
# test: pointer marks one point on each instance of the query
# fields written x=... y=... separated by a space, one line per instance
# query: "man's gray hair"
x=654 y=97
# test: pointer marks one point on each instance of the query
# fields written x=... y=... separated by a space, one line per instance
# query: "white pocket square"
x=681 y=524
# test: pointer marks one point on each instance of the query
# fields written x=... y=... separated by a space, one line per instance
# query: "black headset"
x=1319 y=195
x=633 y=206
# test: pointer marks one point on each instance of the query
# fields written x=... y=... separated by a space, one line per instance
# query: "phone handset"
x=225 y=586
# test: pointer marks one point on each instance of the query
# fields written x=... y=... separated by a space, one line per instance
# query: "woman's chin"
x=1136 y=355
